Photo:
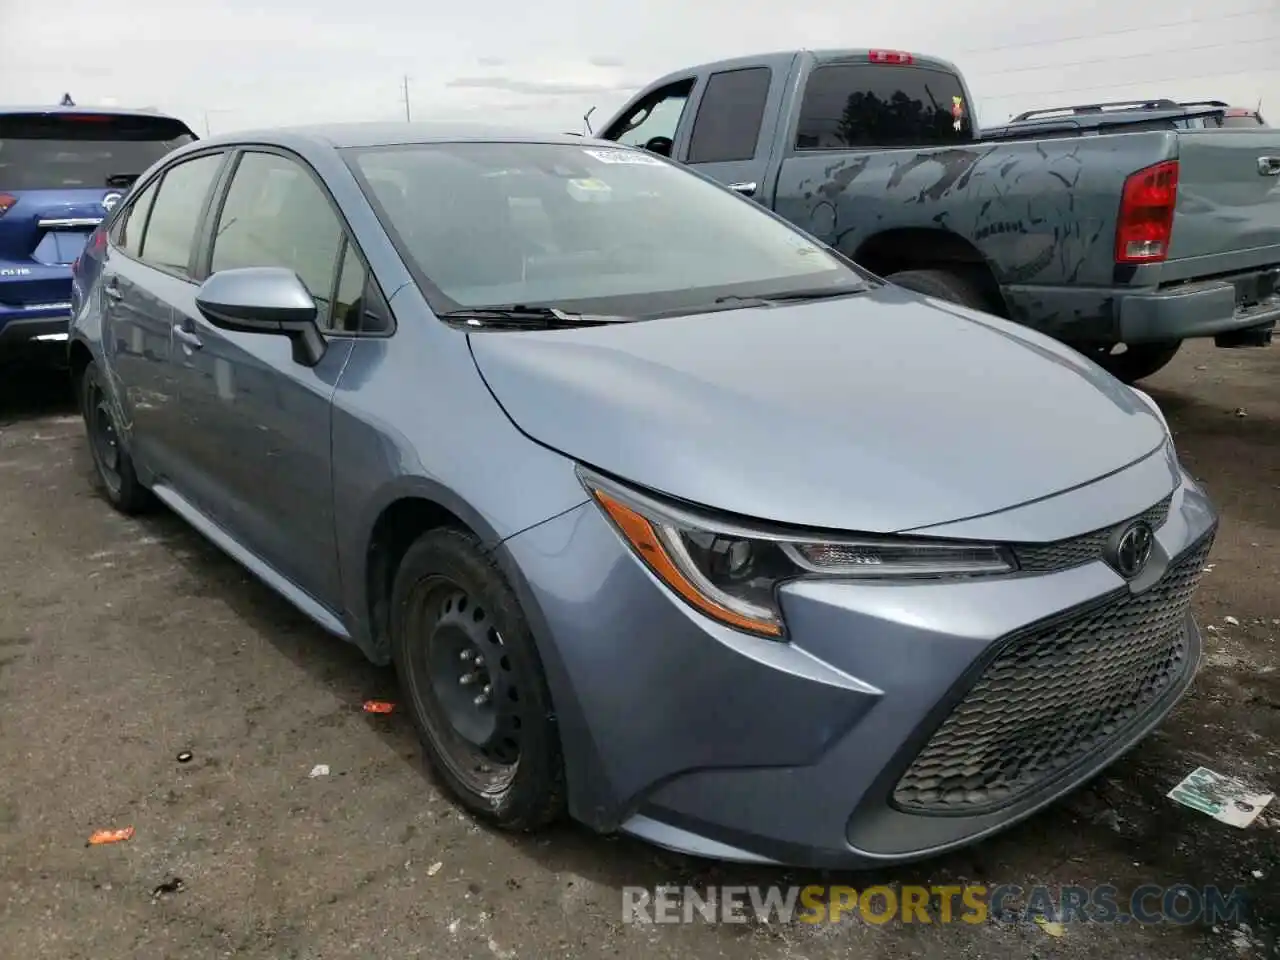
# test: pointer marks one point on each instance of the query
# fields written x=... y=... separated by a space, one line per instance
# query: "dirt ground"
x=124 y=643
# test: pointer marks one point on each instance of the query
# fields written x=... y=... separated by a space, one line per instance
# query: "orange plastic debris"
x=100 y=837
x=378 y=706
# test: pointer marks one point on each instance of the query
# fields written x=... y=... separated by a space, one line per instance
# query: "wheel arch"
x=913 y=248
x=407 y=509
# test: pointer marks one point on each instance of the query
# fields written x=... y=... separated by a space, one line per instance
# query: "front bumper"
x=708 y=741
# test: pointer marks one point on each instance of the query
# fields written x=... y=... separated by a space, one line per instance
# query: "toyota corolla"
x=669 y=517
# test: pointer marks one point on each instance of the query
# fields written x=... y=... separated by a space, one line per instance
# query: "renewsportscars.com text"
x=1181 y=904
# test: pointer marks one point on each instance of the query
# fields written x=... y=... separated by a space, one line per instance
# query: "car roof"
x=377 y=134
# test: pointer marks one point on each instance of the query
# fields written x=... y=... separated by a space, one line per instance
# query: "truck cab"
x=734 y=121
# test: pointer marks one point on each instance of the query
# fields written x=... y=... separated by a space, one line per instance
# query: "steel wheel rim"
x=462 y=684
x=103 y=439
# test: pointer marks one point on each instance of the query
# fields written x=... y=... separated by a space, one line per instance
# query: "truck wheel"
x=1138 y=361
x=945 y=285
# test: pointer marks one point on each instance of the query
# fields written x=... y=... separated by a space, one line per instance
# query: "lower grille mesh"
x=1054 y=696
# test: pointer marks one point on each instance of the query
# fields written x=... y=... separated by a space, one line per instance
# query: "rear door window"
x=729 y=117
x=127 y=232
x=82 y=151
x=848 y=106
x=171 y=229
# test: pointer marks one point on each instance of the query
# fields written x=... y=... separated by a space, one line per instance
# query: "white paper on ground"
x=1224 y=798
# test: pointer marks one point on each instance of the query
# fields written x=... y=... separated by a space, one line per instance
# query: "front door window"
x=654 y=121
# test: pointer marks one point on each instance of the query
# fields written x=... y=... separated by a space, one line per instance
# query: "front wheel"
x=474 y=683
x=1135 y=362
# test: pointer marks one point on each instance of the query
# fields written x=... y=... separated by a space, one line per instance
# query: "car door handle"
x=746 y=189
x=1269 y=166
x=188 y=337
x=112 y=290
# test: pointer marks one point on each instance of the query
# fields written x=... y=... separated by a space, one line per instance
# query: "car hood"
x=877 y=413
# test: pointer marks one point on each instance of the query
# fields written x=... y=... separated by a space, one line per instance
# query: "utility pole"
x=205 y=114
x=407 y=115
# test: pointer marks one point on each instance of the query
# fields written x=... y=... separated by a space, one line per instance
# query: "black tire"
x=113 y=470
x=1137 y=361
x=450 y=598
x=945 y=285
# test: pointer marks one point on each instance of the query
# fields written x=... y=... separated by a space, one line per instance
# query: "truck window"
x=847 y=106
x=656 y=117
x=728 y=123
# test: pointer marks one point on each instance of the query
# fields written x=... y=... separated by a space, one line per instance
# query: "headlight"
x=731 y=572
x=1155 y=408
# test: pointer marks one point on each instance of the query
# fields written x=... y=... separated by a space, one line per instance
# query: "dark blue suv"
x=62 y=169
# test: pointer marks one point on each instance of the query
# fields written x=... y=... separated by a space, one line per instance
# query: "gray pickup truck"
x=1120 y=243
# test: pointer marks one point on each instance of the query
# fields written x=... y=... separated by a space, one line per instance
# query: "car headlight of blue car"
x=731 y=572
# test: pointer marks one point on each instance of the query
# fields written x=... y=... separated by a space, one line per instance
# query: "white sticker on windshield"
x=624 y=156
x=589 y=190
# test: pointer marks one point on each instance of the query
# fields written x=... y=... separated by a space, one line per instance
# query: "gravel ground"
x=124 y=643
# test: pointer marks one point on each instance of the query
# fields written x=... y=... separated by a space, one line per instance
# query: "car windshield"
x=586 y=228
x=42 y=152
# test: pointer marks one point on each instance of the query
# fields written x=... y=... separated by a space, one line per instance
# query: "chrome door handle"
x=746 y=189
x=1269 y=166
x=188 y=338
x=112 y=290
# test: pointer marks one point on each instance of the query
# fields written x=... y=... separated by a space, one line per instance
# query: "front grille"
x=1072 y=552
x=1055 y=696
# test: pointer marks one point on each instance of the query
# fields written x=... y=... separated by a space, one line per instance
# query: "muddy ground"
x=124 y=643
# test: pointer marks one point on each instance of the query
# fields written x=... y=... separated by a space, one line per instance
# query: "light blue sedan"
x=669 y=517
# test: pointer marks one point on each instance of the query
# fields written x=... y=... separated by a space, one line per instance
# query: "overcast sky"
x=236 y=65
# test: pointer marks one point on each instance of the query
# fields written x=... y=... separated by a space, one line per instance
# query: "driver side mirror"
x=264 y=300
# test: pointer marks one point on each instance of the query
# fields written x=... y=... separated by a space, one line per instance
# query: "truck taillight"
x=7 y=200
x=1145 y=223
x=891 y=56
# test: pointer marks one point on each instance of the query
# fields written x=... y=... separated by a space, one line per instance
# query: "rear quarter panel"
x=1040 y=212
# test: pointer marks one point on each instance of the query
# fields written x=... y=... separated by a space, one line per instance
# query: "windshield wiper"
x=521 y=316
x=792 y=296
x=122 y=179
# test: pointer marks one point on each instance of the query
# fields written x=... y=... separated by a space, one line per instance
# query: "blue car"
x=62 y=169
x=668 y=516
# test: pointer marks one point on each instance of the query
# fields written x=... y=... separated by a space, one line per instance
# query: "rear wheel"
x=945 y=285
x=474 y=683
x=1135 y=362
x=113 y=467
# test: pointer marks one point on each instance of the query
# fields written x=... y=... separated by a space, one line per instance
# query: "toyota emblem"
x=1132 y=549
x=110 y=200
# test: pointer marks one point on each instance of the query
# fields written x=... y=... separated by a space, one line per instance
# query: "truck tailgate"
x=1227 y=198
